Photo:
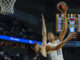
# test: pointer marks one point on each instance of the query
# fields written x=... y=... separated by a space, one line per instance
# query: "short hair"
x=50 y=32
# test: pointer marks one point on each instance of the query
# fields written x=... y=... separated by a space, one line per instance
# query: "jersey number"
x=58 y=52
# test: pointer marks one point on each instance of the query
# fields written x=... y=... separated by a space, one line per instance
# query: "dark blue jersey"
x=37 y=56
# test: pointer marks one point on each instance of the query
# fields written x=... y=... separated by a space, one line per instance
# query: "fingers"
x=74 y=32
x=42 y=15
x=74 y=35
x=42 y=18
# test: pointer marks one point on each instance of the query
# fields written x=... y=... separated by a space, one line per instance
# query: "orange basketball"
x=63 y=6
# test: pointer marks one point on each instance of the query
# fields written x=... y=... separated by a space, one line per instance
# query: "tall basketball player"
x=58 y=55
x=40 y=51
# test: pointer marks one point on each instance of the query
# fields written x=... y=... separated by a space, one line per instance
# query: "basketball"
x=62 y=6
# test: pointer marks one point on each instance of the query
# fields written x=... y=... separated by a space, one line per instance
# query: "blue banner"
x=18 y=39
x=68 y=44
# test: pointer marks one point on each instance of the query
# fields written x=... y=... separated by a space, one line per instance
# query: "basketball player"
x=58 y=55
x=40 y=51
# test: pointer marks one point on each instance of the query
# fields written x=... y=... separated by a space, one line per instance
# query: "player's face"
x=37 y=47
x=51 y=36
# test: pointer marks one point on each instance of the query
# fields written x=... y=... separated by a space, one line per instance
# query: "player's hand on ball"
x=72 y=35
x=63 y=6
x=64 y=9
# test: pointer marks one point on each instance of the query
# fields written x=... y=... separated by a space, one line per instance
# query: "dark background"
x=47 y=7
x=27 y=18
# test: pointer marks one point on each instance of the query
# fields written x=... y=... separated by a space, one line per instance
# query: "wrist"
x=67 y=39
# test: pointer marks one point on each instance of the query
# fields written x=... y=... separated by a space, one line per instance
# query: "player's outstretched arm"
x=44 y=38
x=70 y=36
x=63 y=11
x=64 y=29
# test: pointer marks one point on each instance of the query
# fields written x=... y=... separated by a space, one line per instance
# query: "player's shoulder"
x=57 y=41
x=48 y=44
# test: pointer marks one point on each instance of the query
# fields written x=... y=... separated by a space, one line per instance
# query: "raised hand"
x=72 y=35
x=43 y=20
x=44 y=37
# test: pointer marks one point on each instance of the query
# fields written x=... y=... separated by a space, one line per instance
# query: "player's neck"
x=52 y=41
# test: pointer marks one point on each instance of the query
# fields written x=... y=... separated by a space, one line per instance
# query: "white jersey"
x=55 y=55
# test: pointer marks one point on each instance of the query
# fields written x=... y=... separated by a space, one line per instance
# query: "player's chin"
x=49 y=39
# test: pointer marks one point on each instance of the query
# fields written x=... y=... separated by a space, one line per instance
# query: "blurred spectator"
x=15 y=28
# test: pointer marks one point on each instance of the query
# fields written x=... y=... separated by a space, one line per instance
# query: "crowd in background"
x=9 y=53
x=16 y=28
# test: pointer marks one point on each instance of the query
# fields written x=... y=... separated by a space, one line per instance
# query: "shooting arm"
x=63 y=32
